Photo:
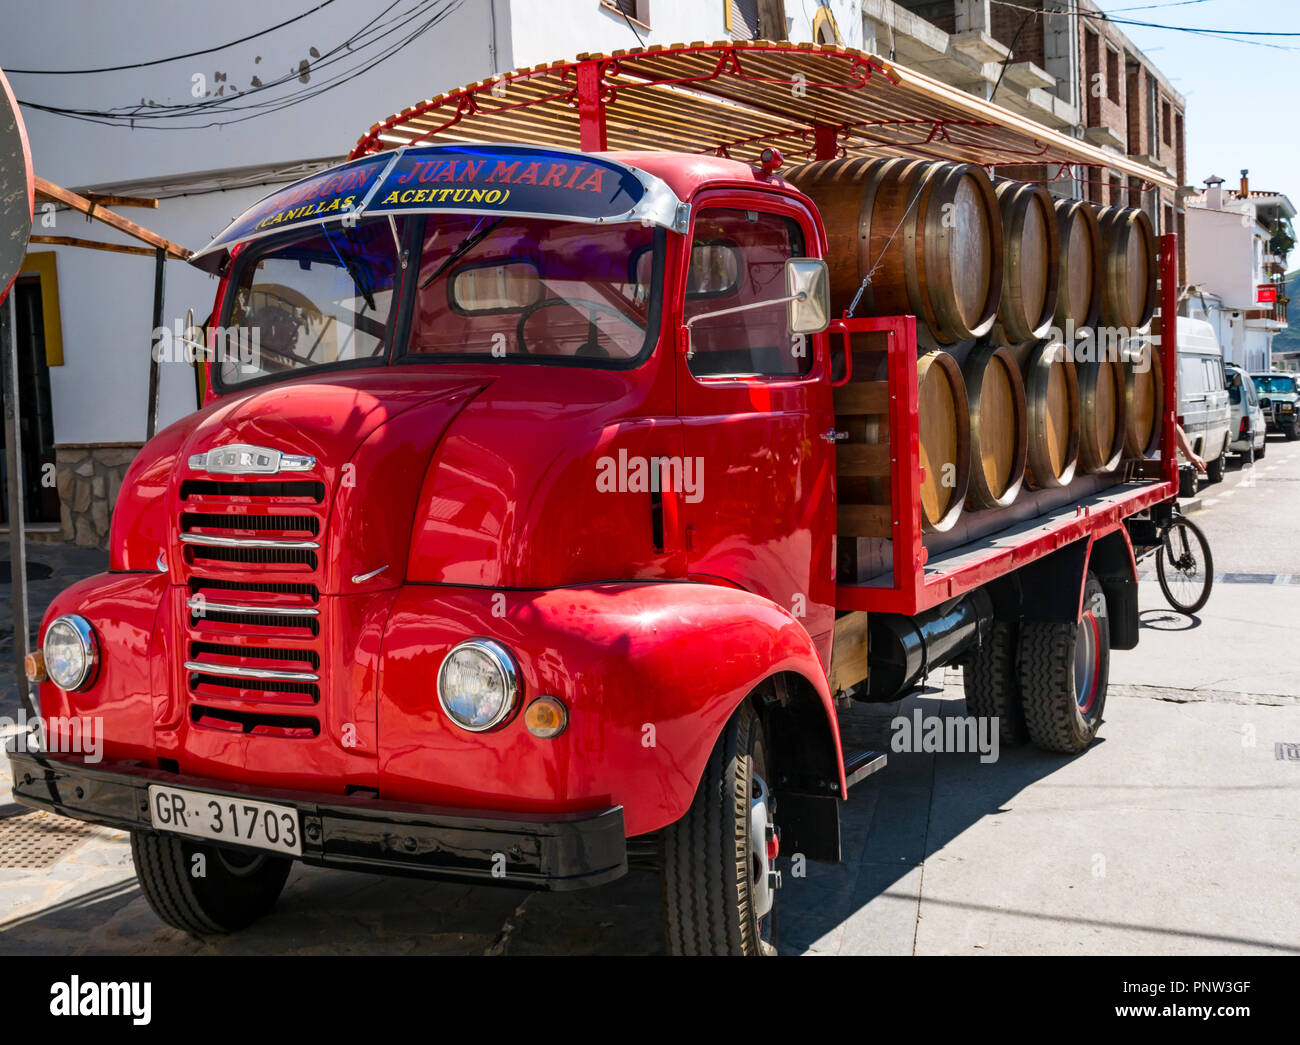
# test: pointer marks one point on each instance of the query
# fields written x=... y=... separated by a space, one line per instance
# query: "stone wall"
x=89 y=477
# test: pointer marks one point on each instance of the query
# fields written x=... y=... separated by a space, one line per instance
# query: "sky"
x=1239 y=111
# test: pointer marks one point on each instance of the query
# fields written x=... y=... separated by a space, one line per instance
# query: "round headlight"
x=71 y=652
x=478 y=684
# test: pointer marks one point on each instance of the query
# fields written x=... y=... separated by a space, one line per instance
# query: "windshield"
x=322 y=299
x=486 y=289
x=535 y=290
x=1277 y=384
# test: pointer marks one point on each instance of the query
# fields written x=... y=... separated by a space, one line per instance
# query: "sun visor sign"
x=487 y=179
x=512 y=180
x=334 y=193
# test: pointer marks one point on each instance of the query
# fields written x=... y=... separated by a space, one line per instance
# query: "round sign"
x=15 y=188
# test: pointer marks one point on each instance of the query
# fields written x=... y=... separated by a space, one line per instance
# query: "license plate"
x=221 y=818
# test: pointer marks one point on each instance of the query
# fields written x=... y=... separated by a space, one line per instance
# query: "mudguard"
x=649 y=672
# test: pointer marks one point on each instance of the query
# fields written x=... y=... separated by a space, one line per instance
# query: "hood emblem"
x=242 y=459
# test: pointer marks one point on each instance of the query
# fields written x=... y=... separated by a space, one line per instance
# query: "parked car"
x=1203 y=405
x=1246 y=424
x=1278 y=394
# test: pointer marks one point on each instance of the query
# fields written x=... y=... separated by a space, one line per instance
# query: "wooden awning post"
x=159 y=283
x=17 y=510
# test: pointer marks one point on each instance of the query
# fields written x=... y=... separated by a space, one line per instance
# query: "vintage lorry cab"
x=504 y=546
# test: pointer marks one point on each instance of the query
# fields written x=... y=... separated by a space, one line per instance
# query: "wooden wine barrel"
x=943 y=422
x=995 y=395
x=929 y=234
x=1082 y=270
x=1144 y=398
x=1031 y=260
x=1052 y=402
x=1129 y=287
x=1103 y=399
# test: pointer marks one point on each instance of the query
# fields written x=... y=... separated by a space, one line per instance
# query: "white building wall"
x=1221 y=254
x=99 y=393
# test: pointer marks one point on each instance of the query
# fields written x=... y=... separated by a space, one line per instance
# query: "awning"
x=736 y=98
x=476 y=179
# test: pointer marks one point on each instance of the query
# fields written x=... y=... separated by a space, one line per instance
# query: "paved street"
x=1178 y=832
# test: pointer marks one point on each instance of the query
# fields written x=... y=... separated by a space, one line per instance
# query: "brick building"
x=1061 y=62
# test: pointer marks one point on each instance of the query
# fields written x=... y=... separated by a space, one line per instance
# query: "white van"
x=1203 y=394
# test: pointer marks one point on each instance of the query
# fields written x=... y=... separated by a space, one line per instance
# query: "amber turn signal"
x=34 y=665
x=546 y=717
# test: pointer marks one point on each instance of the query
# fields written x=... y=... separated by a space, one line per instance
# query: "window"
x=323 y=298
x=741 y=18
x=637 y=10
x=1214 y=379
x=1166 y=122
x=1152 y=114
x=1093 y=75
x=1112 y=73
x=1180 y=164
x=738 y=258
x=528 y=290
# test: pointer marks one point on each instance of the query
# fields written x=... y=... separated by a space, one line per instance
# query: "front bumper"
x=540 y=851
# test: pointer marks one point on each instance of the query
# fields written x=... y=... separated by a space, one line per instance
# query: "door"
x=36 y=420
x=1218 y=409
x=755 y=402
x=1193 y=388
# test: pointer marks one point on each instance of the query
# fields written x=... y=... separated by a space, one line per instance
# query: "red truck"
x=505 y=548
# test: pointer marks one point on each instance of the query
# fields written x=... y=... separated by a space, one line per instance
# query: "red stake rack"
x=917 y=583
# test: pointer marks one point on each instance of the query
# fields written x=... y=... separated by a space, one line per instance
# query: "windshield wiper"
x=367 y=295
x=476 y=236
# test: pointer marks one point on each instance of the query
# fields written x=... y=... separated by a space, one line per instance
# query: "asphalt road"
x=1178 y=832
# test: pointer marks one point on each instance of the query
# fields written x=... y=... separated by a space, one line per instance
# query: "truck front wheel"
x=1064 y=670
x=205 y=890
x=716 y=861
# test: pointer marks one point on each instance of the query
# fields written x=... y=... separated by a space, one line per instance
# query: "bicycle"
x=1184 y=563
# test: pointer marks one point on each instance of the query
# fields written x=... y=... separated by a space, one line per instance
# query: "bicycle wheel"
x=1185 y=566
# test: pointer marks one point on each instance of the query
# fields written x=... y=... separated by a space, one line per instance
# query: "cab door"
x=757 y=498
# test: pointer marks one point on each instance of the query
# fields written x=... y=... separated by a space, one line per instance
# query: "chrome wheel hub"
x=764 y=844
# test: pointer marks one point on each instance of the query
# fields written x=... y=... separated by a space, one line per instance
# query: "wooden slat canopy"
x=733 y=98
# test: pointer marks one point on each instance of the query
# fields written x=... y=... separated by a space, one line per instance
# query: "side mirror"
x=807 y=282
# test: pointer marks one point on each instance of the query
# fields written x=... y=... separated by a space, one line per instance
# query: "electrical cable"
x=148 y=112
x=173 y=58
x=147 y=119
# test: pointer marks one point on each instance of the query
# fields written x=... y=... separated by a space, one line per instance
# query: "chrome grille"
x=252 y=609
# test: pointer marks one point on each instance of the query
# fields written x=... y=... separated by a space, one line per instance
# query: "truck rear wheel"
x=717 y=876
x=1064 y=669
x=226 y=890
x=993 y=685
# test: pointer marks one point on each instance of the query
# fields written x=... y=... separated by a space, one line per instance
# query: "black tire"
x=1187 y=580
x=706 y=867
x=1064 y=670
x=1259 y=454
x=1214 y=469
x=237 y=887
x=1292 y=432
x=1187 y=482
x=992 y=684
